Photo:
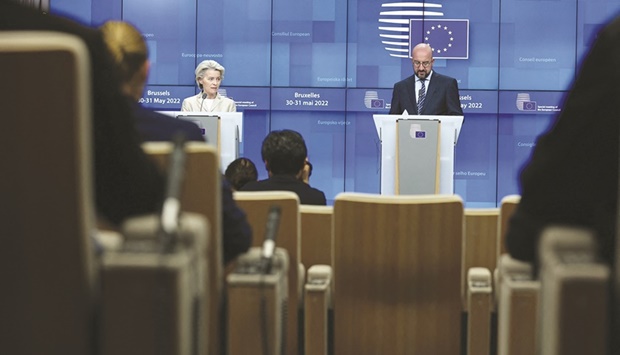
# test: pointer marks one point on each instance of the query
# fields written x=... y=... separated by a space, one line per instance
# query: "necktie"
x=421 y=97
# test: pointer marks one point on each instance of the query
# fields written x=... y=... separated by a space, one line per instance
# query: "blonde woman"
x=209 y=76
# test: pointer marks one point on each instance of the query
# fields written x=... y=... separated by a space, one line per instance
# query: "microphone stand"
x=171 y=208
x=204 y=96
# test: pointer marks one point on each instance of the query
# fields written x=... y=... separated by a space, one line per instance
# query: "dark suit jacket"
x=126 y=181
x=572 y=176
x=154 y=126
x=442 y=97
x=307 y=195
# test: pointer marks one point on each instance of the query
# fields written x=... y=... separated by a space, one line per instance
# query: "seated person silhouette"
x=284 y=153
x=126 y=182
x=130 y=54
x=571 y=177
x=239 y=172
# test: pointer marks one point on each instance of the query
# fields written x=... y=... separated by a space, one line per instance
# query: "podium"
x=224 y=130
x=406 y=150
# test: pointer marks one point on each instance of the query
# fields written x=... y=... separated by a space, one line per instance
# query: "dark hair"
x=284 y=152
x=239 y=172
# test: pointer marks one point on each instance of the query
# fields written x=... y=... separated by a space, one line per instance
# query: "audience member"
x=572 y=176
x=239 y=172
x=131 y=57
x=284 y=153
x=126 y=182
x=130 y=54
x=426 y=92
x=209 y=76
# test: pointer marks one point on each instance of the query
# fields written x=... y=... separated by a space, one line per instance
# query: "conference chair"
x=256 y=206
x=52 y=299
x=397 y=274
x=257 y=301
x=479 y=310
x=574 y=295
x=202 y=194
x=316 y=235
x=154 y=302
x=47 y=263
x=481 y=230
x=516 y=293
x=517 y=297
x=316 y=255
x=508 y=205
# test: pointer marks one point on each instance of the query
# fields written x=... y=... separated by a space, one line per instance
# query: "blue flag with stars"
x=449 y=38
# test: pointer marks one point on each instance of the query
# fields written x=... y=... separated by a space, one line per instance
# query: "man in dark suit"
x=439 y=93
x=284 y=153
x=126 y=182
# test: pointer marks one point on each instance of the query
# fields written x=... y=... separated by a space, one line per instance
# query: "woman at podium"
x=209 y=76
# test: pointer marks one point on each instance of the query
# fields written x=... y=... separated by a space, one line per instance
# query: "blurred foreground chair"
x=202 y=194
x=316 y=235
x=397 y=274
x=575 y=294
x=154 y=302
x=480 y=259
x=51 y=300
x=256 y=205
x=481 y=230
x=257 y=300
x=47 y=263
x=516 y=293
x=517 y=297
x=507 y=207
x=316 y=255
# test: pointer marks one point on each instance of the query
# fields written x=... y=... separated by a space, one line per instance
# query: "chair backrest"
x=397 y=274
x=316 y=235
x=507 y=207
x=574 y=293
x=480 y=243
x=47 y=257
x=202 y=193
x=517 y=297
x=256 y=205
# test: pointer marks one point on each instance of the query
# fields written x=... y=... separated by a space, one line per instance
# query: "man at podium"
x=426 y=92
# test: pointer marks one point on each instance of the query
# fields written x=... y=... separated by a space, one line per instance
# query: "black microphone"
x=171 y=208
x=204 y=96
x=269 y=245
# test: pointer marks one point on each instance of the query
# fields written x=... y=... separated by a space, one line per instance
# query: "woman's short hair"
x=206 y=65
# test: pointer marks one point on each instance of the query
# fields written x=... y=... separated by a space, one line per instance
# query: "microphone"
x=171 y=208
x=204 y=96
x=269 y=245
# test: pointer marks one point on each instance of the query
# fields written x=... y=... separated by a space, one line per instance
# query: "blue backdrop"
x=324 y=67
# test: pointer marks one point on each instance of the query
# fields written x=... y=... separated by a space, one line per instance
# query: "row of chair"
x=397 y=260
x=396 y=271
x=412 y=245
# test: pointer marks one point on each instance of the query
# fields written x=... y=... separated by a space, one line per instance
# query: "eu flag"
x=449 y=38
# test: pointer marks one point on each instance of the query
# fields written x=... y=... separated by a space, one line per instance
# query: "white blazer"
x=220 y=104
